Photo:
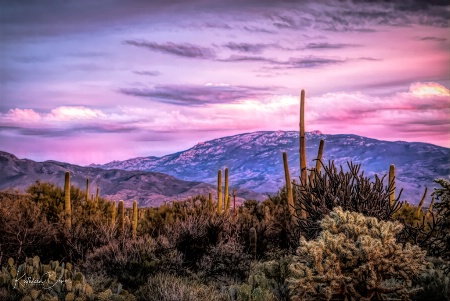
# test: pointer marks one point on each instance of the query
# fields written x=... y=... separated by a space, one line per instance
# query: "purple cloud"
x=179 y=49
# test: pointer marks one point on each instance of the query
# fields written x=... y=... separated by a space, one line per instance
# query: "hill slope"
x=255 y=160
x=148 y=188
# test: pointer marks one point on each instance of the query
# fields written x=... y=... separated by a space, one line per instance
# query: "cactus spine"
x=226 y=194
x=67 y=207
x=303 y=171
x=392 y=182
x=121 y=217
x=253 y=241
x=290 y=196
x=135 y=219
x=219 y=191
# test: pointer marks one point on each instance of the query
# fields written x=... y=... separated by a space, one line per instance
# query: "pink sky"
x=152 y=79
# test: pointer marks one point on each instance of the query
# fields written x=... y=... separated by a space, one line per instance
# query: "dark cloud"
x=258 y=29
x=179 y=49
x=432 y=39
x=67 y=132
x=245 y=58
x=311 y=62
x=329 y=46
x=149 y=73
x=192 y=95
x=247 y=47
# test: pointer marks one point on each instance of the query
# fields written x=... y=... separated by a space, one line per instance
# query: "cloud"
x=437 y=39
x=329 y=46
x=178 y=49
x=194 y=95
x=149 y=73
x=247 y=47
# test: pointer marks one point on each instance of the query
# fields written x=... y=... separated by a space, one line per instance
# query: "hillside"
x=148 y=188
x=255 y=160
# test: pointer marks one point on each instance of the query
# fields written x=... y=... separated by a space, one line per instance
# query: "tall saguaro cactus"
x=97 y=194
x=67 y=206
x=419 y=208
x=303 y=171
x=219 y=191
x=226 y=194
x=290 y=196
x=135 y=219
x=210 y=202
x=234 y=202
x=121 y=217
x=392 y=181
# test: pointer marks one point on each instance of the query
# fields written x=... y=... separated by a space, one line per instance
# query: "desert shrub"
x=166 y=287
x=355 y=258
x=350 y=190
x=433 y=281
x=129 y=261
x=24 y=229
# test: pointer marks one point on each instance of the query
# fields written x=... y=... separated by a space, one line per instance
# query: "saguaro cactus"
x=121 y=217
x=219 y=191
x=97 y=194
x=303 y=171
x=319 y=156
x=419 y=208
x=392 y=181
x=210 y=202
x=135 y=219
x=67 y=206
x=113 y=213
x=253 y=241
x=226 y=194
x=87 y=190
x=290 y=196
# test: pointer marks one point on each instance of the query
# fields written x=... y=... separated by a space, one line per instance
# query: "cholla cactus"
x=355 y=258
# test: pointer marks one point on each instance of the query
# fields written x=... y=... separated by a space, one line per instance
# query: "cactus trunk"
x=392 y=182
x=419 y=208
x=67 y=205
x=135 y=219
x=319 y=156
x=290 y=196
x=226 y=194
x=97 y=194
x=113 y=213
x=87 y=190
x=234 y=202
x=210 y=202
x=303 y=171
x=219 y=191
x=121 y=217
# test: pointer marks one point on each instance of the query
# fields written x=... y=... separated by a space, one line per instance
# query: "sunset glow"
x=157 y=78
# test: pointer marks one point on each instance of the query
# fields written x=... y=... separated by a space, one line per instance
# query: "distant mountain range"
x=255 y=160
x=148 y=188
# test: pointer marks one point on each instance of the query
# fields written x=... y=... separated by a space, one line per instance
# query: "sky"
x=96 y=81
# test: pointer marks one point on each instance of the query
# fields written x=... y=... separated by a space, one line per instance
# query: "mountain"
x=148 y=188
x=255 y=160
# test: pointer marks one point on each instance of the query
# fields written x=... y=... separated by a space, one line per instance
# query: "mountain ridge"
x=255 y=162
